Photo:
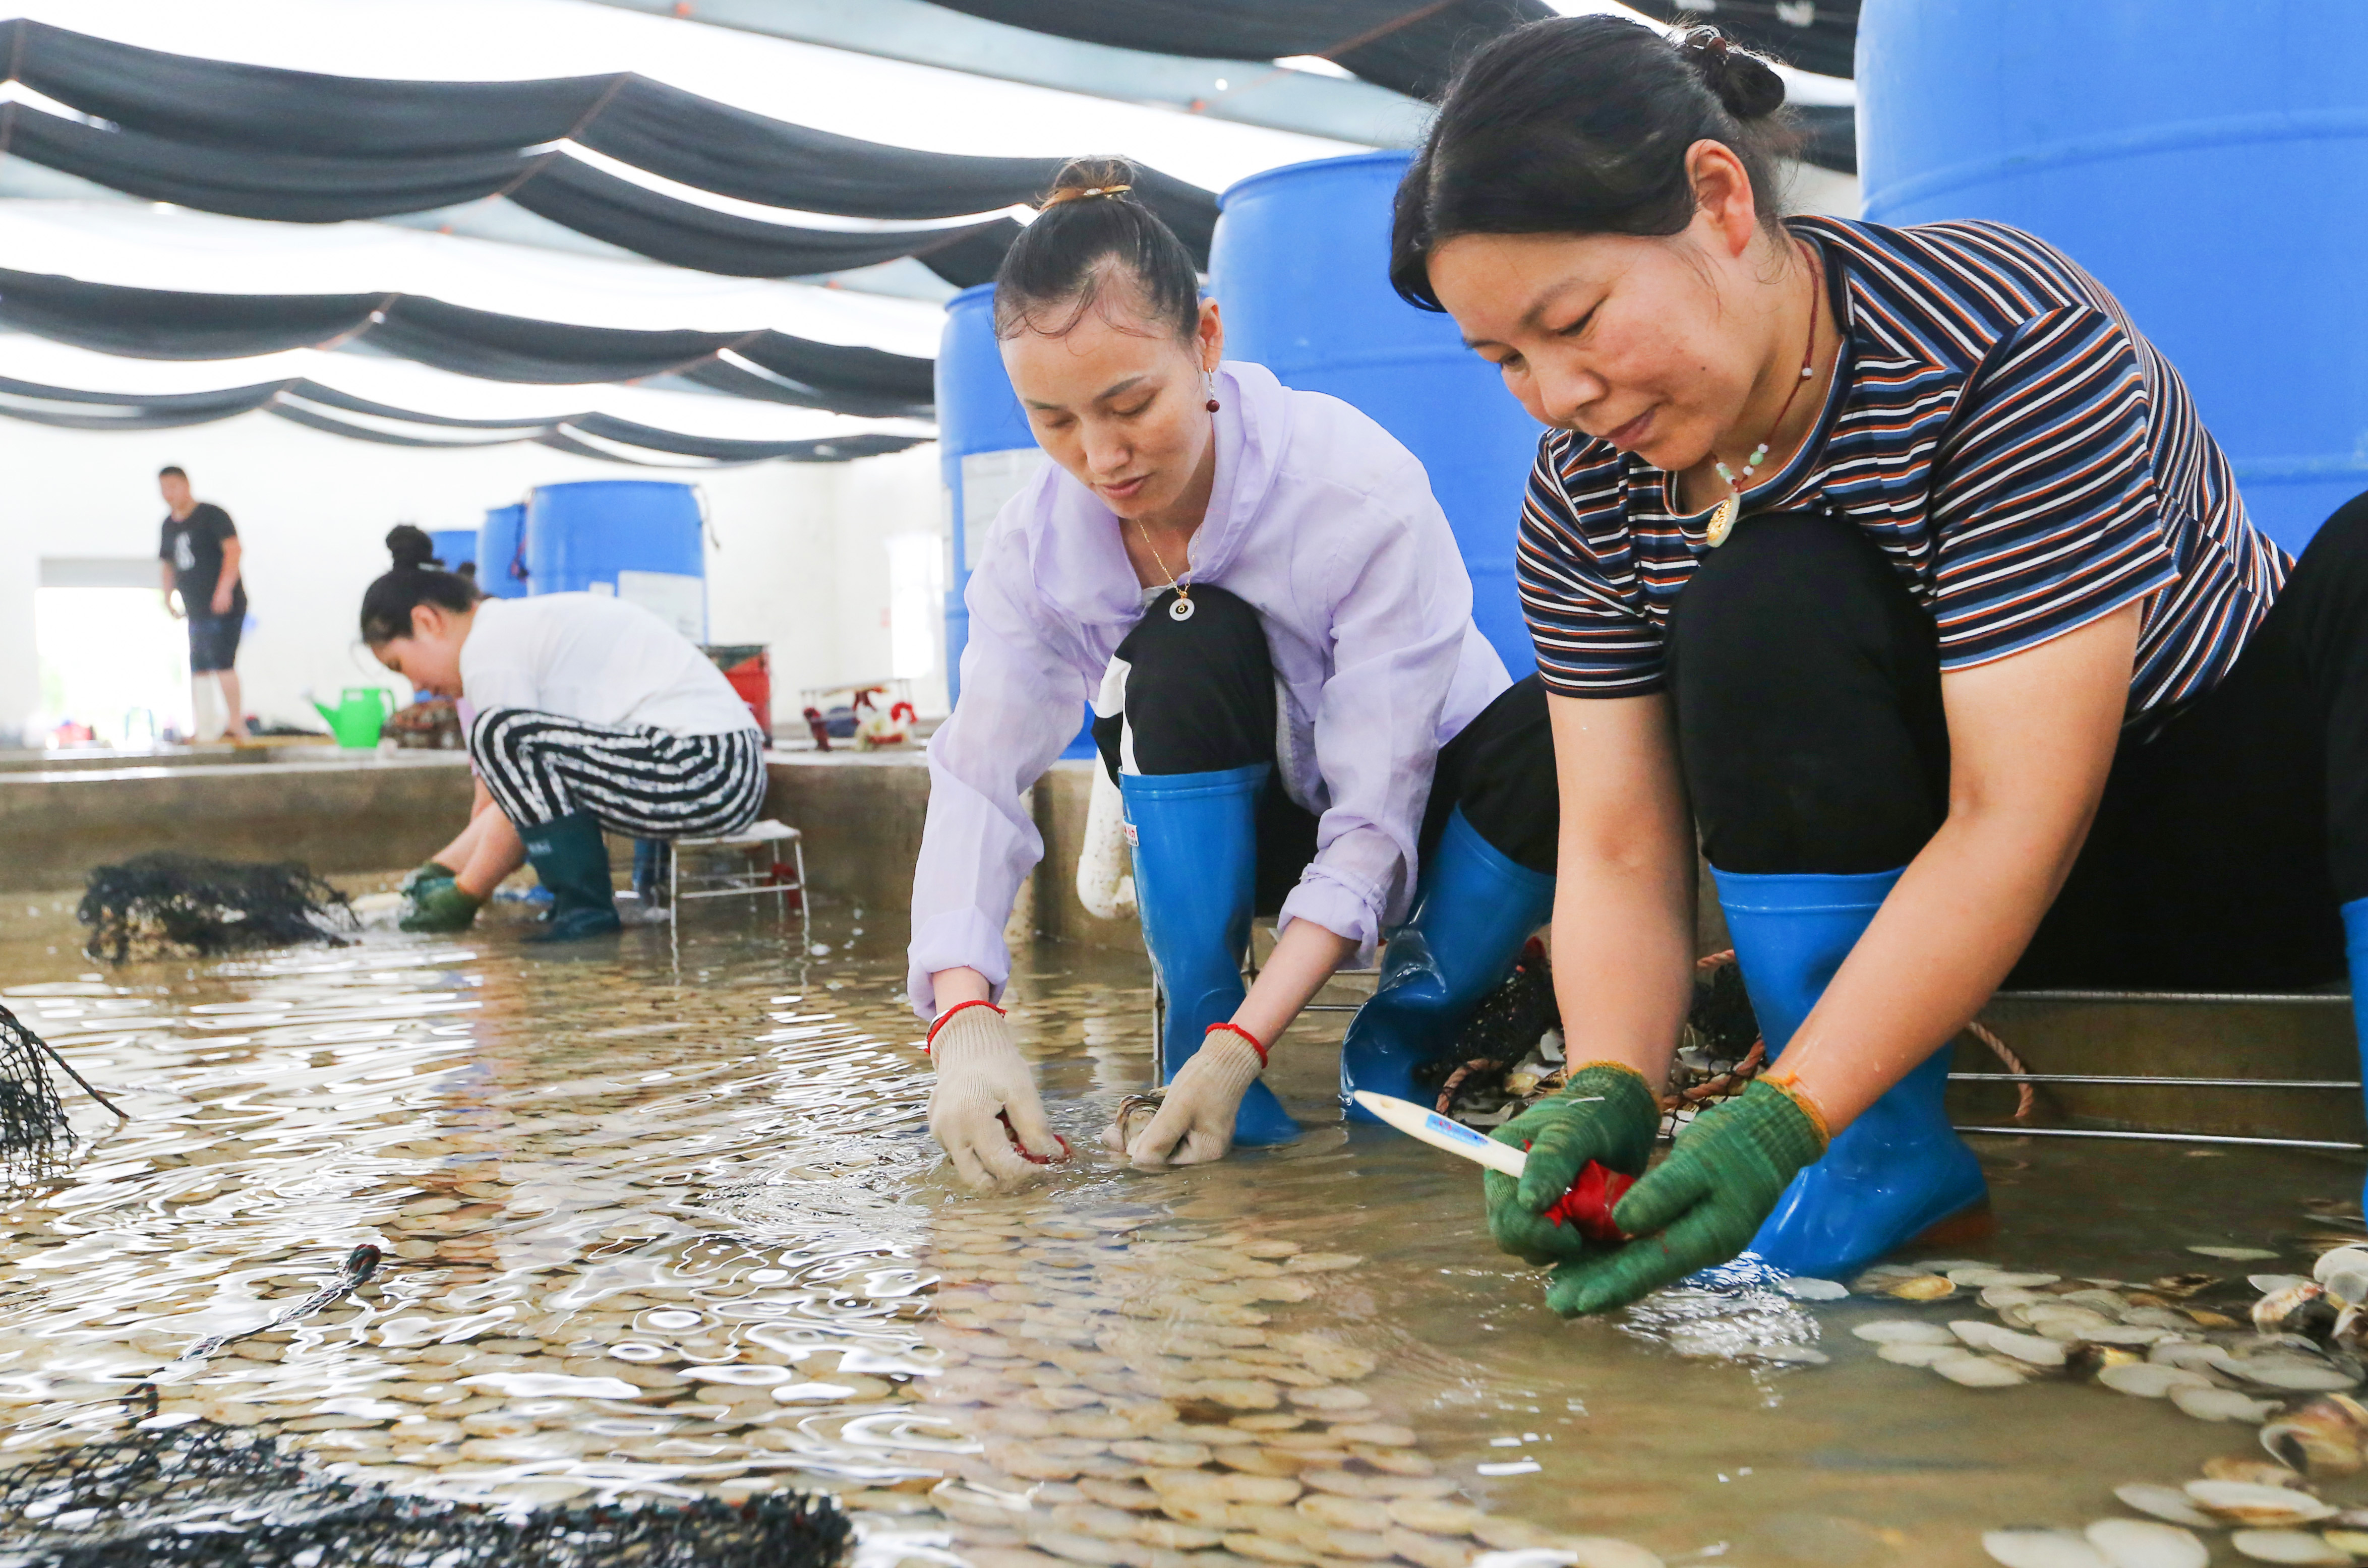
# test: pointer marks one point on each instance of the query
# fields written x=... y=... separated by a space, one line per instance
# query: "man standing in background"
x=200 y=557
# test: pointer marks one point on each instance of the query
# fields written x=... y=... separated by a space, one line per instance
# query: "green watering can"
x=359 y=714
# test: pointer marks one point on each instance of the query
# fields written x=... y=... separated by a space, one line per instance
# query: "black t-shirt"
x=194 y=545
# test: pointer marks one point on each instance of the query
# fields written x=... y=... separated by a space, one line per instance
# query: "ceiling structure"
x=737 y=216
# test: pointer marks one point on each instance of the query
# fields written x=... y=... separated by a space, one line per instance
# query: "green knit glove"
x=440 y=907
x=429 y=873
x=1607 y=1113
x=1701 y=1206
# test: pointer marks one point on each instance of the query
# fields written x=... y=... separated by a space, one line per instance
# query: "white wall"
x=800 y=559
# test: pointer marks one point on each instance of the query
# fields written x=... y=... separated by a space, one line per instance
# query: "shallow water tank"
x=640 y=539
x=2208 y=162
x=986 y=453
x=1300 y=269
x=455 y=547
x=501 y=552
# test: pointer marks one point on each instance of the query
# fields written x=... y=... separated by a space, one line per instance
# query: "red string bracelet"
x=1245 y=1034
x=950 y=1012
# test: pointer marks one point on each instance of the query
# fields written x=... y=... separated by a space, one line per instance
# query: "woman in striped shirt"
x=1894 y=568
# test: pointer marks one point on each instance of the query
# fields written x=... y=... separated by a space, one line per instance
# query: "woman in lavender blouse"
x=1259 y=595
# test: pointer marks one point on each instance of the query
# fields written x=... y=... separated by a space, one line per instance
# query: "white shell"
x=2339 y=1260
x=1904 y=1331
x=2041 y=1549
x=2271 y=1284
x=2028 y=1348
x=2222 y=1404
x=2191 y=1354
x=2286 y=1546
x=1606 y=1551
x=1998 y=1298
x=2164 y=1503
x=2151 y=1380
x=2294 y=1374
x=2349 y=1286
x=1980 y=1371
x=2245 y=1502
x=1982 y=1278
x=1910 y=1353
x=2124 y=1334
x=1803 y=1288
x=2236 y=1255
x=2143 y=1543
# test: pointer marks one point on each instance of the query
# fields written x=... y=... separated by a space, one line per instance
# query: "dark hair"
x=387 y=606
x=1089 y=230
x=411 y=546
x=171 y=471
x=1579 y=125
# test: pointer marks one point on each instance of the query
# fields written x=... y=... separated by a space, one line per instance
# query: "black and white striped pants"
x=635 y=780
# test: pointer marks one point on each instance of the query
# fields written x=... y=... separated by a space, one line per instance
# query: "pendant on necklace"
x=1721 y=520
x=1180 y=607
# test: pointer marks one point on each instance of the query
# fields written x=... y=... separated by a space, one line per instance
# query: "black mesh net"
x=1505 y=1059
x=32 y=1118
x=203 y=1495
x=168 y=904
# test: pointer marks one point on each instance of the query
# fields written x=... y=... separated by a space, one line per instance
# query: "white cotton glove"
x=1195 y=1123
x=983 y=1094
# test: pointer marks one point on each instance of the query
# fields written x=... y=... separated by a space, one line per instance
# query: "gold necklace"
x=1182 y=608
x=1730 y=505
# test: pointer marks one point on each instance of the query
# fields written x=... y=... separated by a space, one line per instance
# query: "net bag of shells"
x=32 y=1118
x=168 y=904
x=202 y=1494
x=1510 y=1055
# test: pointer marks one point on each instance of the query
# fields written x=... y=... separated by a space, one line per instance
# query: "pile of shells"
x=1130 y=1400
x=2286 y=1365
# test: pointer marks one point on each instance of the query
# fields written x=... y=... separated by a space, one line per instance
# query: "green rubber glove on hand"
x=428 y=873
x=1606 y=1113
x=1701 y=1206
x=440 y=907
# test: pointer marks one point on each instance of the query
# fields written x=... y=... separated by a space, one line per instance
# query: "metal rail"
x=2151 y=1081
x=2169 y=1137
x=2204 y=998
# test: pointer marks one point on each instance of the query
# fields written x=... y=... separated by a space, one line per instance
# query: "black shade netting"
x=168 y=903
x=32 y=1115
x=203 y=1494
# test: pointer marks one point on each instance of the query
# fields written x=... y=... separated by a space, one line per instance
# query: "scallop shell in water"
x=2041 y=1549
x=2145 y=1543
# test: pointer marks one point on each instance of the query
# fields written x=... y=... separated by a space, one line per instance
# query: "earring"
x=1209 y=384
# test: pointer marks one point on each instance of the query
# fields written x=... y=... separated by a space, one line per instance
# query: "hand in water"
x=1701 y=1206
x=1195 y=1123
x=1606 y=1114
x=983 y=1108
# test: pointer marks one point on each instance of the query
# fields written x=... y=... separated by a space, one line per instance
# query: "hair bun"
x=1082 y=177
x=1743 y=81
x=410 y=546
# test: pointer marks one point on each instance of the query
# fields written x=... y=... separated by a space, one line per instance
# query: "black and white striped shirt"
x=1996 y=425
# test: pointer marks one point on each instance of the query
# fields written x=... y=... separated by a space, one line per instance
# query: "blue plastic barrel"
x=640 y=539
x=455 y=547
x=2207 y=160
x=986 y=453
x=1300 y=267
x=501 y=552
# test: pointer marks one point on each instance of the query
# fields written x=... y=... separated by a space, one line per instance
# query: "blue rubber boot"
x=1900 y=1169
x=1195 y=839
x=2355 y=951
x=1473 y=910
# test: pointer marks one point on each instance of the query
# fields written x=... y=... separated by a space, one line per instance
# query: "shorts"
x=213 y=642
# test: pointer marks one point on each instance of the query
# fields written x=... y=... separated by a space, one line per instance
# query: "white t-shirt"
x=603 y=660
